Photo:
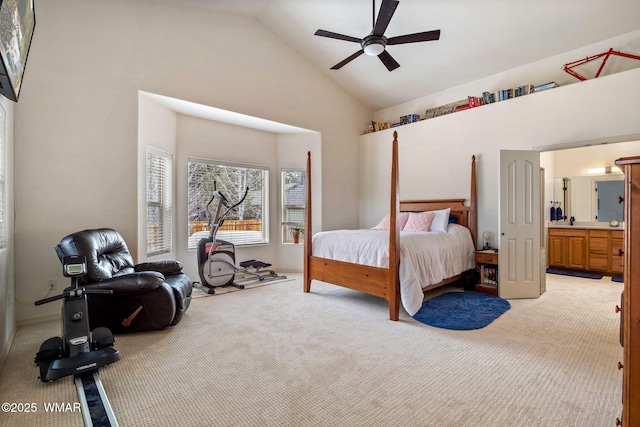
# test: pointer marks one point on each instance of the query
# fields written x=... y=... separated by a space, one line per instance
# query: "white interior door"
x=520 y=222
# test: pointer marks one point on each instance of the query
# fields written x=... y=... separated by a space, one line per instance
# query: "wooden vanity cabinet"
x=567 y=248
x=605 y=251
x=599 y=250
x=586 y=249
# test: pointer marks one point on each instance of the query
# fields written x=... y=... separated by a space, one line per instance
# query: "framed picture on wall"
x=17 y=22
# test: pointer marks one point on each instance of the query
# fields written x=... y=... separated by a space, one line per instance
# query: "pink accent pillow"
x=385 y=223
x=419 y=221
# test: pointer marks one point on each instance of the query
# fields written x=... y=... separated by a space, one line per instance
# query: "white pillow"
x=440 y=221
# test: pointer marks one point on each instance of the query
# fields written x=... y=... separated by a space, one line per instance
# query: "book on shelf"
x=523 y=90
x=444 y=109
x=488 y=275
x=545 y=86
x=474 y=101
x=488 y=97
x=376 y=126
x=409 y=118
x=500 y=95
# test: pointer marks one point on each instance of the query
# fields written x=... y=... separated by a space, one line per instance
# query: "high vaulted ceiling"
x=479 y=38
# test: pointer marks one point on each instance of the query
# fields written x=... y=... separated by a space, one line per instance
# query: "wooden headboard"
x=458 y=209
x=466 y=215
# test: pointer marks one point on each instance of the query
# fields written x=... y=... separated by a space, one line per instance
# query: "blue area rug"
x=618 y=279
x=462 y=310
x=582 y=274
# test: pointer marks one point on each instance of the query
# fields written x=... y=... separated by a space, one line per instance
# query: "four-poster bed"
x=384 y=281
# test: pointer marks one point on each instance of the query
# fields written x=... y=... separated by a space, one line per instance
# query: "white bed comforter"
x=425 y=258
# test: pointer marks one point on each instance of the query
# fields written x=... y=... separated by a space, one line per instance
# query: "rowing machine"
x=79 y=352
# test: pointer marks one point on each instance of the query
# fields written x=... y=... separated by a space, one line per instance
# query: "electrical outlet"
x=53 y=284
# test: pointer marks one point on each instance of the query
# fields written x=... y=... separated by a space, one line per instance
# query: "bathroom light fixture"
x=603 y=170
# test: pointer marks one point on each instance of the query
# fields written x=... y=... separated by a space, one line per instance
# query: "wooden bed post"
x=308 y=232
x=473 y=215
x=394 y=236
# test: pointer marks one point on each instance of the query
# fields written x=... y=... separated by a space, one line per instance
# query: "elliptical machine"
x=79 y=352
x=217 y=258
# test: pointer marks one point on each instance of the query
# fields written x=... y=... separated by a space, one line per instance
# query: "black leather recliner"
x=146 y=296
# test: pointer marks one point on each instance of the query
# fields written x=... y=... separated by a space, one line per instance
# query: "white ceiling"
x=478 y=38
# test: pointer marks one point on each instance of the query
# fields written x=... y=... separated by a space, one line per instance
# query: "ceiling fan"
x=375 y=43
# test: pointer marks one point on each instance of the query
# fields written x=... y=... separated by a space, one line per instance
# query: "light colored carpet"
x=275 y=356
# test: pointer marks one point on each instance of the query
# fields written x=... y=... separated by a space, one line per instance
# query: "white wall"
x=7 y=273
x=157 y=128
x=77 y=119
x=435 y=154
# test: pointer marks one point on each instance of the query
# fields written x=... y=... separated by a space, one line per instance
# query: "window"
x=294 y=196
x=159 y=202
x=245 y=225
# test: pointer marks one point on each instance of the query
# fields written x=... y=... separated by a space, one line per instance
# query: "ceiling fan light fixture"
x=373 y=49
x=375 y=43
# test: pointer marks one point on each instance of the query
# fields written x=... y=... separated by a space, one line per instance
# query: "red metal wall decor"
x=569 y=67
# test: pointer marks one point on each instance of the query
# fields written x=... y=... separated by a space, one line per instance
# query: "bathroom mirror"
x=590 y=198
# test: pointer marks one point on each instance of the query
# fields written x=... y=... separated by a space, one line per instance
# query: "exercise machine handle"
x=74 y=293
x=53 y=298
x=246 y=191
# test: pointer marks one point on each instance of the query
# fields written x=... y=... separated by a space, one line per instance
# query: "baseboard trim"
x=7 y=347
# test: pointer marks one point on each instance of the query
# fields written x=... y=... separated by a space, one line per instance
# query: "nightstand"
x=487 y=266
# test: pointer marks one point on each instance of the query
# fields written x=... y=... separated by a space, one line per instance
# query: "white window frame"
x=163 y=204
x=197 y=198
x=287 y=220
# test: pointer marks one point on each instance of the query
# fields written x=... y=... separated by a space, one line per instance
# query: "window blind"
x=159 y=202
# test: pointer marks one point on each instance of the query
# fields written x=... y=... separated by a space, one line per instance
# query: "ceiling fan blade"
x=346 y=61
x=323 y=33
x=388 y=61
x=387 y=9
x=413 y=38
